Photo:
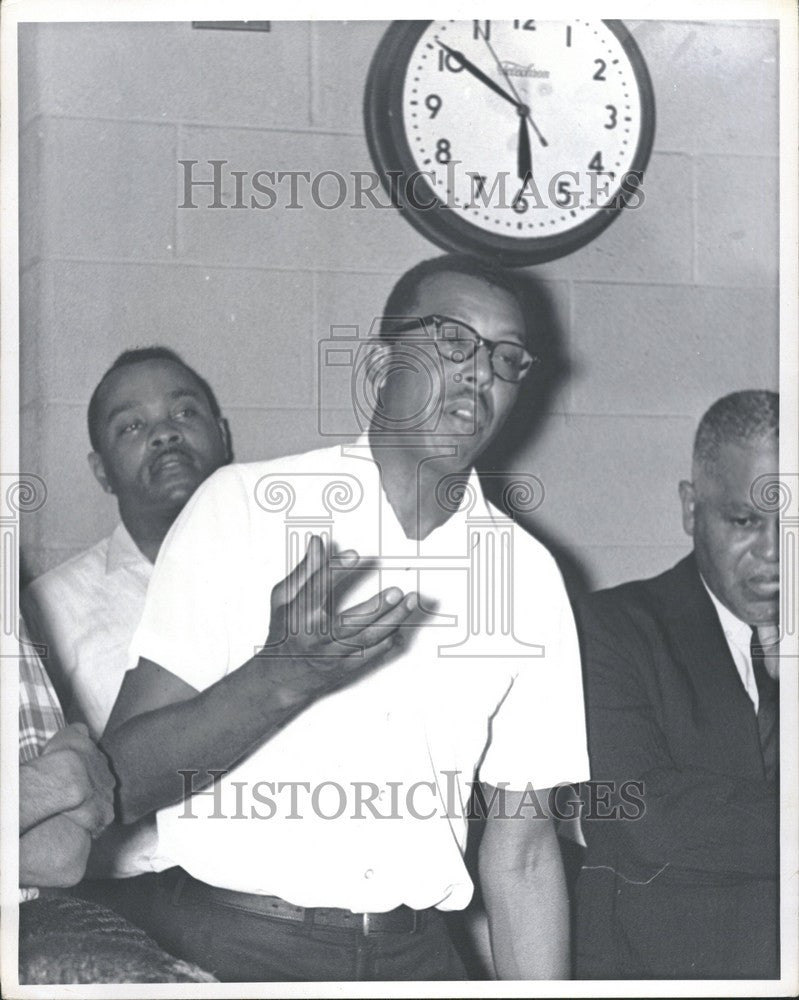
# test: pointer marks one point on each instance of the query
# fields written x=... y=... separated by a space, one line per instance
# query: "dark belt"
x=402 y=920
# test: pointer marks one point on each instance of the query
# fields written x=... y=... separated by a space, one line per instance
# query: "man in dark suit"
x=682 y=687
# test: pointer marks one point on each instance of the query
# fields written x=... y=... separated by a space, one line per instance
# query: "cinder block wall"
x=672 y=306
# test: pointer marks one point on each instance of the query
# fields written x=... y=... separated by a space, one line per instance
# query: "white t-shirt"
x=87 y=610
x=494 y=686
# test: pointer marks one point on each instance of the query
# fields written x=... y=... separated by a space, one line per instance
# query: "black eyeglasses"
x=456 y=341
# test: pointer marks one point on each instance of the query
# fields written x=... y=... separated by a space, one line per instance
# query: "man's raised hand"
x=317 y=648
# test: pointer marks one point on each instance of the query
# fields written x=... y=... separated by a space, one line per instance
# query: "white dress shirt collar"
x=739 y=636
x=122 y=550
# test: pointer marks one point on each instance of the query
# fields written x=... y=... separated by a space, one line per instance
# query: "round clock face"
x=521 y=139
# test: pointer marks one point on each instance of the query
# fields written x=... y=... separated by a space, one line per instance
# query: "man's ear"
x=224 y=431
x=688 y=501
x=98 y=469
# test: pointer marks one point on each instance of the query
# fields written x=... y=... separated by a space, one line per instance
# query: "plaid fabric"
x=40 y=715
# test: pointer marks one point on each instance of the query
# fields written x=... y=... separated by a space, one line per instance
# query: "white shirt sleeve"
x=538 y=734
x=45 y=607
x=185 y=627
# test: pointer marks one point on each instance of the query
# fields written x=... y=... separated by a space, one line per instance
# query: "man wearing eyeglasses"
x=333 y=836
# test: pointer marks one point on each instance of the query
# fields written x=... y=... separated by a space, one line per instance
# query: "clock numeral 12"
x=524 y=25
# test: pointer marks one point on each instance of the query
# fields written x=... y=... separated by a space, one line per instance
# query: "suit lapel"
x=720 y=698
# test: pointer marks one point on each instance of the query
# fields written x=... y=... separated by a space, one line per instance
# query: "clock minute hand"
x=479 y=74
x=541 y=139
x=519 y=103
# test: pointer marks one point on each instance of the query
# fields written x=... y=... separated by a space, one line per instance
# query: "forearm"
x=528 y=918
x=524 y=891
x=691 y=815
x=54 y=853
x=684 y=816
x=696 y=820
x=209 y=732
x=476 y=924
x=41 y=795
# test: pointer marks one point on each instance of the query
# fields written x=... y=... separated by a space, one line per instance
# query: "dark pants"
x=238 y=945
x=133 y=898
x=670 y=930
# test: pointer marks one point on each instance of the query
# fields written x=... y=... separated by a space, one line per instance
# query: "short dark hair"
x=740 y=417
x=134 y=357
x=402 y=296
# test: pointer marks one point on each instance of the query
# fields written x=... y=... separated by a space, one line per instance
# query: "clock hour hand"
x=478 y=74
x=525 y=159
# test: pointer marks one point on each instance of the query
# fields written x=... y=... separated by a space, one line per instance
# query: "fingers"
x=286 y=591
x=401 y=622
x=352 y=620
x=81 y=782
x=291 y=610
x=365 y=660
x=75 y=740
x=342 y=670
x=316 y=594
x=94 y=815
x=303 y=623
x=99 y=771
x=370 y=622
x=347 y=571
x=311 y=607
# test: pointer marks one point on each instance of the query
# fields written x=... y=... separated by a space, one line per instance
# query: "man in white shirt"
x=682 y=691
x=156 y=433
x=333 y=834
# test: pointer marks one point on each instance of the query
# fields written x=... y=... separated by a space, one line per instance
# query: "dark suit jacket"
x=688 y=889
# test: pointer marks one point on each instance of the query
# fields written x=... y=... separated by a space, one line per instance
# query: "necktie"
x=764 y=650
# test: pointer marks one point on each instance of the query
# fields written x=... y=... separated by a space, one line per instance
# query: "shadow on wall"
x=528 y=419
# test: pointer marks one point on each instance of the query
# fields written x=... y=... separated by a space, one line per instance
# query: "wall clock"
x=519 y=140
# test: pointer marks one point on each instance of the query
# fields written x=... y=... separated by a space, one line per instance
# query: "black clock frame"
x=393 y=159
